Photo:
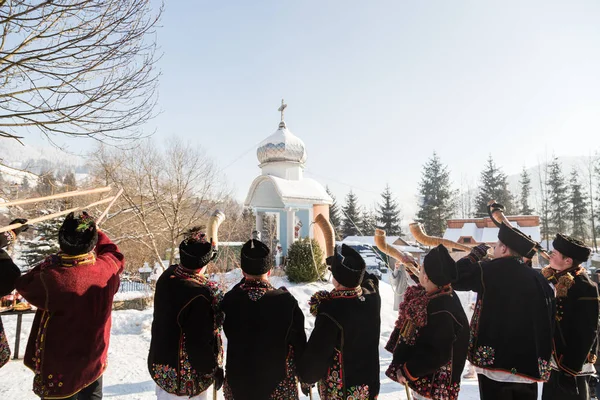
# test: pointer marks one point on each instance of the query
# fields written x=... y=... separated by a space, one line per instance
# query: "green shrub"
x=303 y=263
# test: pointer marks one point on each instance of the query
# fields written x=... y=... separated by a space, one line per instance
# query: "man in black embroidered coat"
x=431 y=336
x=265 y=333
x=511 y=328
x=9 y=273
x=576 y=328
x=342 y=354
x=186 y=351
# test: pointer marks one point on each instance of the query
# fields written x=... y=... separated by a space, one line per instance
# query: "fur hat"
x=571 y=247
x=347 y=266
x=439 y=266
x=195 y=251
x=256 y=258
x=517 y=241
x=77 y=234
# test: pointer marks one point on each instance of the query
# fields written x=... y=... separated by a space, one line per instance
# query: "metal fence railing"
x=129 y=285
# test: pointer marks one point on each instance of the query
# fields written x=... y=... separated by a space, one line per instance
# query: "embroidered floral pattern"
x=227 y=393
x=474 y=329
x=360 y=392
x=484 y=356
x=287 y=389
x=316 y=300
x=183 y=382
x=256 y=289
x=544 y=368
x=40 y=386
x=165 y=377
x=332 y=387
x=323 y=296
x=437 y=386
x=4 y=349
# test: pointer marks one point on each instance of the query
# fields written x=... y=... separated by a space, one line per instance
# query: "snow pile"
x=127 y=377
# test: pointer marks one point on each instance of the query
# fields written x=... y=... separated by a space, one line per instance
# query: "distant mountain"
x=40 y=158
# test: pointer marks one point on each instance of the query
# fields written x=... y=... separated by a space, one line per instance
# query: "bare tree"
x=164 y=193
x=77 y=67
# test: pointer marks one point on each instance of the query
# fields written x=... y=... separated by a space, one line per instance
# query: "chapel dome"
x=282 y=145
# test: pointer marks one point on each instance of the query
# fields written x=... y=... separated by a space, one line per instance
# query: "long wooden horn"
x=328 y=232
x=56 y=196
x=56 y=214
x=212 y=231
x=420 y=236
x=393 y=252
x=105 y=213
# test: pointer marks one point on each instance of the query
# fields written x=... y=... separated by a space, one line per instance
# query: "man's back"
x=265 y=333
x=512 y=322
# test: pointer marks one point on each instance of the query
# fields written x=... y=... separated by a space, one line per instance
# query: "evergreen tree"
x=334 y=215
x=494 y=186
x=388 y=213
x=368 y=223
x=44 y=243
x=69 y=181
x=579 y=208
x=25 y=183
x=351 y=218
x=46 y=184
x=437 y=197
x=558 y=198
x=525 y=183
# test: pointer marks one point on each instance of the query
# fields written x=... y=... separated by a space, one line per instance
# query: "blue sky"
x=374 y=88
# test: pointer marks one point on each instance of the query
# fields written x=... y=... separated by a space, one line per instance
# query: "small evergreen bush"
x=303 y=263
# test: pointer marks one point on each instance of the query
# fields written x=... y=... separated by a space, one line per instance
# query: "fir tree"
x=46 y=184
x=368 y=223
x=69 y=181
x=579 y=208
x=351 y=218
x=437 y=197
x=558 y=198
x=25 y=183
x=525 y=183
x=494 y=186
x=388 y=213
x=44 y=242
x=334 y=215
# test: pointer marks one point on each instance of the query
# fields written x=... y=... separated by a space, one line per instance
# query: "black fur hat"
x=195 y=251
x=347 y=266
x=78 y=234
x=571 y=247
x=439 y=266
x=517 y=241
x=256 y=258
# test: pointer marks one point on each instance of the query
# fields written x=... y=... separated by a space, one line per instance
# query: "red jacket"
x=68 y=344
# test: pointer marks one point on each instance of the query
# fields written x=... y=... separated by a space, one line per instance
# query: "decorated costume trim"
x=562 y=280
x=287 y=389
x=412 y=315
x=332 y=387
x=189 y=275
x=184 y=381
x=256 y=289
x=323 y=296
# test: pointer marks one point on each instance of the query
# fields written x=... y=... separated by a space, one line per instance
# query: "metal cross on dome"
x=282 y=108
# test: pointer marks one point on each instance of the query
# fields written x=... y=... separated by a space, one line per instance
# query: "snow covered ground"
x=127 y=376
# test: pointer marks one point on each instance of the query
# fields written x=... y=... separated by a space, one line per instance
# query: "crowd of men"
x=527 y=327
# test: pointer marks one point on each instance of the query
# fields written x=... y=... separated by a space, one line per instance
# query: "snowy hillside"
x=13 y=175
x=127 y=377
